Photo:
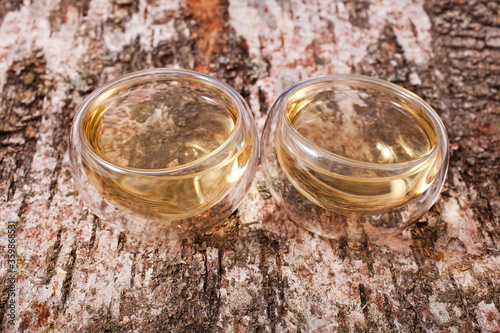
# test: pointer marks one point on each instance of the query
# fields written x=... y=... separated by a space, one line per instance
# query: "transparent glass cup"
x=354 y=157
x=163 y=153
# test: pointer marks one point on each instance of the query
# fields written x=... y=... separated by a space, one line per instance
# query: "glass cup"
x=354 y=157
x=163 y=153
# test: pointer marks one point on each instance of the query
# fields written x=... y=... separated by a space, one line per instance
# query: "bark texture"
x=258 y=271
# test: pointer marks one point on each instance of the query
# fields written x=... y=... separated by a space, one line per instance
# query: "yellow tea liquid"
x=161 y=131
x=343 y=125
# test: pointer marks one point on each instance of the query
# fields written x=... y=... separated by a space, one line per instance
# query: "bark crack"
x=52 y=256
x=66 y=287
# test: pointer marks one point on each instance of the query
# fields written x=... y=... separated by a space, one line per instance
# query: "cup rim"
x=425 y=108
x=239 y=103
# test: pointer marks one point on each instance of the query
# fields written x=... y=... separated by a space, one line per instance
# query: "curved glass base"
x=161 y=229
x=335 y=225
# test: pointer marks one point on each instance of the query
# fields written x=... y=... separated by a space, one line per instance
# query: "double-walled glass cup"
x=163 y=153
x=354 y=157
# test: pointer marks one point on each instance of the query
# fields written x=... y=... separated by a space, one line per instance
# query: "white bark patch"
x=439 y=312
x=246 y=17
x=317 y=38
x=27 y=29
x=411 y=25
x=462 y=225
x=488 y=317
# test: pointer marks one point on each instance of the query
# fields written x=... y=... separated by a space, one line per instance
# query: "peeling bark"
x=257 y=271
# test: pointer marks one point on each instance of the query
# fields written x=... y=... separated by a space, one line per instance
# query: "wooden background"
x=258 y=271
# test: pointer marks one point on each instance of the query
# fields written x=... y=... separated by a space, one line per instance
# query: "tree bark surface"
x=258 y=271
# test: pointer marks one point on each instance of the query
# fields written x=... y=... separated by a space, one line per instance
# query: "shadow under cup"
x=163 y=153
x=354 y=157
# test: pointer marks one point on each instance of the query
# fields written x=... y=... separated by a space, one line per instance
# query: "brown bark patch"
x=21 y=100
x=43 y=311
x=209 y=16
